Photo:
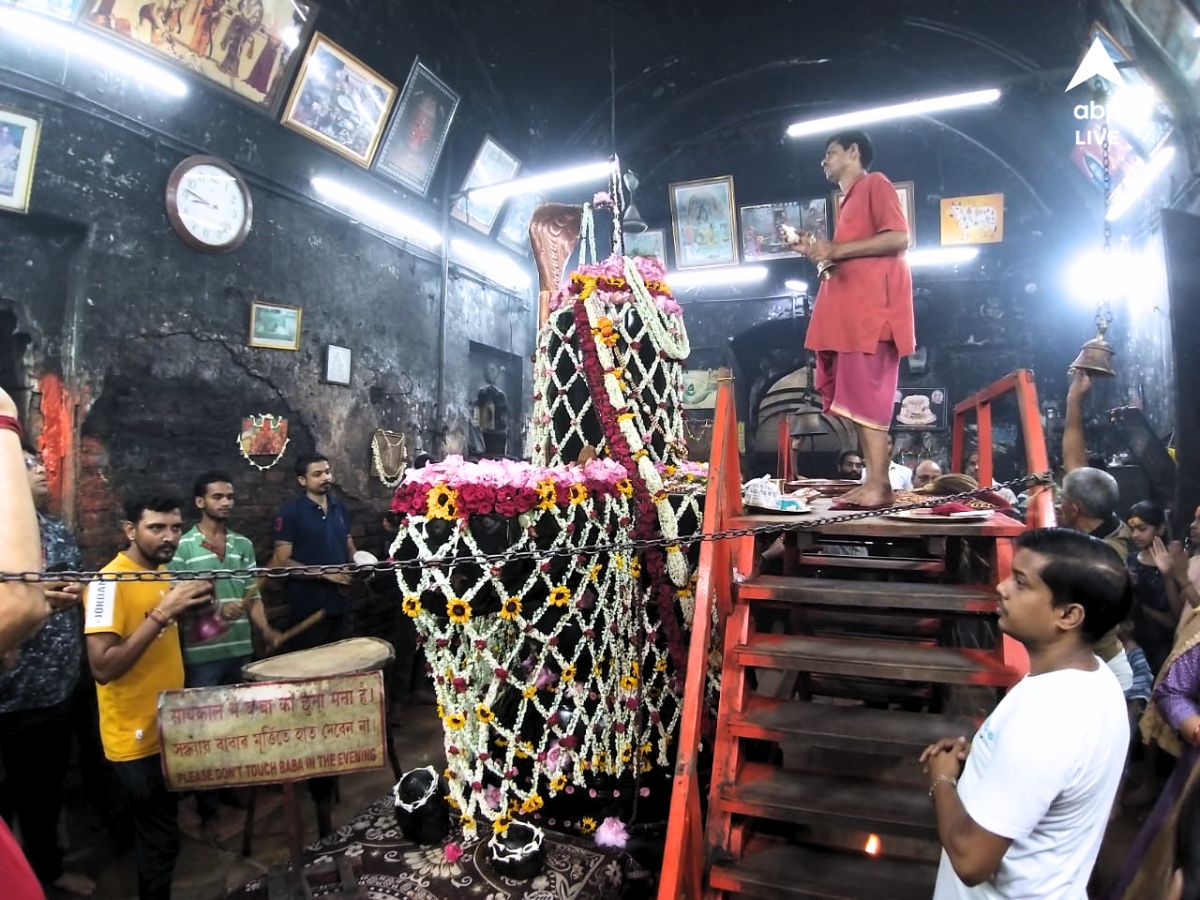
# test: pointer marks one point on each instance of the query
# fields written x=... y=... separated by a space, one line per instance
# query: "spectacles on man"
x=34 y=462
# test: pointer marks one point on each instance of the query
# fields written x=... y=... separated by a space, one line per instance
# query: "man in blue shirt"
x=314 y=529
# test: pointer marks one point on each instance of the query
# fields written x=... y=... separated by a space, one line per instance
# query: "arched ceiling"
x=708 y=88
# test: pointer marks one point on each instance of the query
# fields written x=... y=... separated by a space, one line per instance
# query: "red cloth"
x=860 y=386
x=18 y=879
x=869 y=298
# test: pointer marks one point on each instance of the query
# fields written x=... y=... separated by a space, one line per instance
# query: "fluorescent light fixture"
x=941 y=256
x=720 y=276
x=70 y=39
x=375 y=213
x=829 y=124
x=491 y=264
x=796 y=285
x=543 y=182
x=1139 y=182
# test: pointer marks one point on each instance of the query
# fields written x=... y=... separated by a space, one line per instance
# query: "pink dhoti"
x=860 y=386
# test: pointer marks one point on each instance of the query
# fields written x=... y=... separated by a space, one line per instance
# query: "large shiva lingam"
x=558 y=664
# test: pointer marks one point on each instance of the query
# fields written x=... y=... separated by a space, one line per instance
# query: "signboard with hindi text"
x=267 y=733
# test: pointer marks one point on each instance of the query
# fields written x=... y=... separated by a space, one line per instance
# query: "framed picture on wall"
x=337 y=365
x=920 y=409
x=760 y=226
x=492 y=165
x=415 y=139
x=703 y=216
x=249 y=49
x=339 y=102
x=19 y=137
x=907 y=195
x=978 y=219
x=651 y=242
x=514 y=227
x=60 y=9
x=275 y=327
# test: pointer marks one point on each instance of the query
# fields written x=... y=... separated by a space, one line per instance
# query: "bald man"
x=925 y=473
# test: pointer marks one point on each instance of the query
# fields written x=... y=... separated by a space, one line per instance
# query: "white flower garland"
x=677 y=567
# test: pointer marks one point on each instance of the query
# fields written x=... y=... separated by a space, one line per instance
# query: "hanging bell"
x=1096 y=356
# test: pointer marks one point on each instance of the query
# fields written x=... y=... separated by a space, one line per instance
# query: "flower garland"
x=544 y=677
x=618 y=446
x=613 y=390
x=456 y=489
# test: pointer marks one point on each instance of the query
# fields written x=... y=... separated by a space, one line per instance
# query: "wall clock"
x=209 y=205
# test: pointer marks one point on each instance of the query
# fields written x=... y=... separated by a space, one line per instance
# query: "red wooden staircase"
x=874 y=638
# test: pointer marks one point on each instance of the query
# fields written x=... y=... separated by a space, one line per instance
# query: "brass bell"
x=1096 y=356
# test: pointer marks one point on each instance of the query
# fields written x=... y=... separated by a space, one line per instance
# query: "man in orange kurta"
x=862 y=323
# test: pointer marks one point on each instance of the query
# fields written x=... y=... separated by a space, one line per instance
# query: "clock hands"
x=201 y=199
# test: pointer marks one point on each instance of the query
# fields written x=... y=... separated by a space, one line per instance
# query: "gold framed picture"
x=339 y=102
x=907 y=194
x=275 y=327
x=704 y=217
x=19 y=137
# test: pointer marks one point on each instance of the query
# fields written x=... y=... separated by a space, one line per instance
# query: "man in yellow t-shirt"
x=133 y=651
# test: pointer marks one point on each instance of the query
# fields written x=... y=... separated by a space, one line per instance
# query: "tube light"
x=723 y=275
x=796 y=285
x=941 y=256
x=830 y=124
x=381 y=215
x=70 y=39
x=1137 y=184
x=545 y=181
x=494 y=266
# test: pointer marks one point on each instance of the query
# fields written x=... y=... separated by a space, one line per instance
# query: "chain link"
x=494 y=559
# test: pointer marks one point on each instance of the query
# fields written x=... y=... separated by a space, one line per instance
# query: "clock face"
x=210 y=205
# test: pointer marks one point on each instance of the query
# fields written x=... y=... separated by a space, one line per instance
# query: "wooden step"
x=897 y=660
x=876 y=563
x=908 y=694
x=844 y=727
x=789 y=795
x=890 y=595
x=773 y=868
x=822 y=620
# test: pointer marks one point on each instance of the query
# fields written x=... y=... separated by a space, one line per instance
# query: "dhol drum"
x=348 y=657
x=360 y=654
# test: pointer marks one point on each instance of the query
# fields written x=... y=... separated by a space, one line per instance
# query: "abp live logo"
x=1096 y=63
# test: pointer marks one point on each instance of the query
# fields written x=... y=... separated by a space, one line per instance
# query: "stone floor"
x=209 y=868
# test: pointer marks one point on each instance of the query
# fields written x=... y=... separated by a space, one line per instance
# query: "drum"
x=360 y=654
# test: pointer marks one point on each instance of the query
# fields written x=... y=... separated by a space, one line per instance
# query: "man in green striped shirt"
x=211 y=544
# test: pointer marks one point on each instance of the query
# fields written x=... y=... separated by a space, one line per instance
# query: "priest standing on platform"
x=862 y=323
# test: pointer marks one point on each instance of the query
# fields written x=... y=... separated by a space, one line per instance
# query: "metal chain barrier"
x=584 y=550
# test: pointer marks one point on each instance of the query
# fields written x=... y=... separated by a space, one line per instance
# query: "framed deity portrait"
x=907 y=194
x=275 y=327
x=514 y=226
x=492 y=165
x=248 y=48
x=337 y=365
x=19 y=136
x=703 y=216
x=651 y=242
x=414 y=141
x=339 y=102
x=761 y=239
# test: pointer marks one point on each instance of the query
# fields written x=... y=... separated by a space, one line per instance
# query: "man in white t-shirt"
x=901 y=477
x=1027 y=816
